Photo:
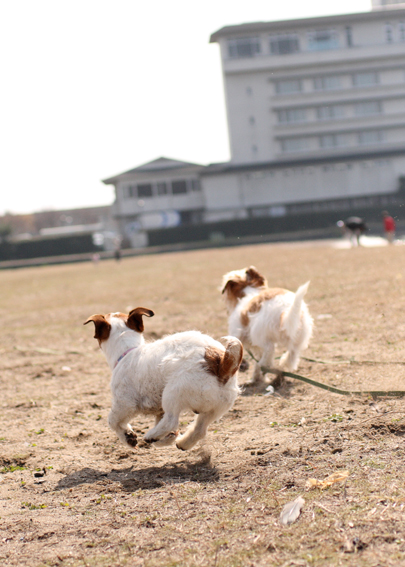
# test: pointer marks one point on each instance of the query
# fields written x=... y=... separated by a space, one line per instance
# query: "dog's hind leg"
x=196 y=431
x=164 y=429
x=290 y=359
x=118 y=419
x=266 y=359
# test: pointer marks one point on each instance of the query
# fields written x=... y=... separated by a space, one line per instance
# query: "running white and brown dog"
x=181 y=372
x=263 y=317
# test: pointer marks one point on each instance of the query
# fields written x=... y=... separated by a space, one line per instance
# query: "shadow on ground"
x=147 y=478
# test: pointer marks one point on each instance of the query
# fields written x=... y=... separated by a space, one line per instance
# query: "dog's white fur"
x=262 y=318
x=181 y=372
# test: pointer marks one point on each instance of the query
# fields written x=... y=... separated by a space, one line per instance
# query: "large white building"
x=318 y=86
x=316 y=116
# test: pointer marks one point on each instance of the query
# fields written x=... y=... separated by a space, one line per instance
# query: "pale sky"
x=92 y=88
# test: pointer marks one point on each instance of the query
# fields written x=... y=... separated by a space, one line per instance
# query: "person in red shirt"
x=389 y=227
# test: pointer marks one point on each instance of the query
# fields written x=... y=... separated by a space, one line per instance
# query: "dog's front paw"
x=130 y=438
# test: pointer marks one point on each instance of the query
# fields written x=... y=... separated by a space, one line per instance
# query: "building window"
x=367 y=108
x=365 y=79
x=293 y=145
x=243 y=47
x=195 y=185
x=329 y=112
x=162 y=188
x=291 y=115
x=284 y=44
x=389 y=33
x=288 y=87
x=145 y=190
x=349 y=36
x=370 y=137
x=179 y=187
x=326 y=83
x=332 y=141
x=322 y=40
x=401 y=29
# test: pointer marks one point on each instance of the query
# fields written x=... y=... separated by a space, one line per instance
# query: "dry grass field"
x=72 y=495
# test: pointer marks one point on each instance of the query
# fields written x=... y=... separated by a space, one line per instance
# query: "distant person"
x=117 y=248
x=354 y=227
x=389 y=226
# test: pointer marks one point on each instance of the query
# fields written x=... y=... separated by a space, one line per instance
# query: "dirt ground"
x=72 y=495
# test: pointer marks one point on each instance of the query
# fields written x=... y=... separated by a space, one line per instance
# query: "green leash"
x=373 y=393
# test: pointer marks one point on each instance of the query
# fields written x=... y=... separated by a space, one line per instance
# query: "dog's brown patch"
x=120 y=316
x=222 y=364
x=234 y=287
x=255 y=304
x=102 y=327
x=212 y=358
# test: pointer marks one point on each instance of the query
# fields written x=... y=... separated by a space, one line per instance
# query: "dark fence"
x=45 y=247
x=262 y=226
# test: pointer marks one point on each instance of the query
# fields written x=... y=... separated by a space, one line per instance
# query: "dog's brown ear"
x=102 y=327
x=228 y=286
x=135 y=321
x=254 y=278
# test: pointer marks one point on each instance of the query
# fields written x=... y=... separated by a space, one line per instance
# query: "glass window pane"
x=321 y=40
x=293 y=145
x=365 y=79
x=367 y=108
x=371 y=137
x=145 y=190
x=329 y=112
x=179 y=187
x=326 y=83
x=292 y=115
x=244 y=47
x=287 y=87
x=283 y=45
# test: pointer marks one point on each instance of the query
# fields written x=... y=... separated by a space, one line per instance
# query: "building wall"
x=276 y=187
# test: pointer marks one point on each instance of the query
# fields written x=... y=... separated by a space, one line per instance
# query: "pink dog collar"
x=122 y=355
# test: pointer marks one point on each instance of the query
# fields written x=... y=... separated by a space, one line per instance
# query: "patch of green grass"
x=335 y=417
x=12 y=468
x=33 y=506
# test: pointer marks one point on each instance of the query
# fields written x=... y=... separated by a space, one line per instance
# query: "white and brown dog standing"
x=263 y=317
x=181 y=372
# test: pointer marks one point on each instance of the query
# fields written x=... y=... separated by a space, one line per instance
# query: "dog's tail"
x=291 y=319
x=224 y=364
